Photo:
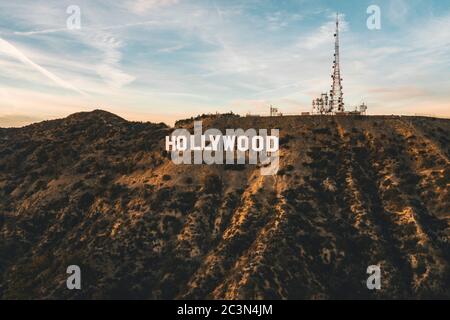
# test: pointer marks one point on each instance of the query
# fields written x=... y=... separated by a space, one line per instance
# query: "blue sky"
x=161 y=60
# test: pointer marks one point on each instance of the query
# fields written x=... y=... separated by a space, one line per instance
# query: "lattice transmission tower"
x=336 y=93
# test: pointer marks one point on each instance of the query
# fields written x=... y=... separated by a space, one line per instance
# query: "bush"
x=304 y=207
x=116 y=189
x=322 y=131
x=289 y=167
x=361 y=153
x=86 y=200
x=212 y=183
x=285 y=139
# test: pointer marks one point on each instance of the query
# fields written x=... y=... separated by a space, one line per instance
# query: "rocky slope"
x=100 y=192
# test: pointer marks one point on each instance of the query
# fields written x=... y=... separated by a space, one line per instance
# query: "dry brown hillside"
x=98 y=191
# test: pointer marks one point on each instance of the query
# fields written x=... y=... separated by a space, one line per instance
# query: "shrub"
x=289 y=167
x=285 y=139
x=116 y=189
x=322 y=131
x=86 y=200
x=304 y=207
x=212 y=183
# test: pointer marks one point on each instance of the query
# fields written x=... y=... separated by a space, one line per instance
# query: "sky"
x=163 y=60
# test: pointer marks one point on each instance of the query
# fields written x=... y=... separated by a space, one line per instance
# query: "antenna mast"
x=336 y=94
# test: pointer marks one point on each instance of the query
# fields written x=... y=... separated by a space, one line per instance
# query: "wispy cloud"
x=323 y=35
x=37 y=32
x=143 y=6
x=17 y=120
x=109 y=67
x=8 y=49
x=171 y=48
x=182 y=57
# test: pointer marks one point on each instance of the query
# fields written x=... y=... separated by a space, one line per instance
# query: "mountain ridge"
x=351 y=192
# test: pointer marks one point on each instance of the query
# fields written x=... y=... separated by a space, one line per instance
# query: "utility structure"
x=273 y=111
x=321 y=105
x=336 y=93
x=363 y=108
x=332 y=103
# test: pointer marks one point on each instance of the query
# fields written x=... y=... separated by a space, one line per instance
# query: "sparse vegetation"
x=95 y=190
x=212 y=183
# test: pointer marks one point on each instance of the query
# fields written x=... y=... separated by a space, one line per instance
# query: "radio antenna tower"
x=336 y=94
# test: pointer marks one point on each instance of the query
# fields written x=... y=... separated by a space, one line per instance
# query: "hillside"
x=98 y=191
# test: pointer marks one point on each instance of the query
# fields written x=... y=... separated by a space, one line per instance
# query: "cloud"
x=143 y=6
x=276 y=21
x=109 y=68
x=324 y=35
x=8 y=49
x=189 y=57
x=87 y=29
x=399 y=93
x=36 y=32
x=398 y=11
x=172 y=48
x=18 y=120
